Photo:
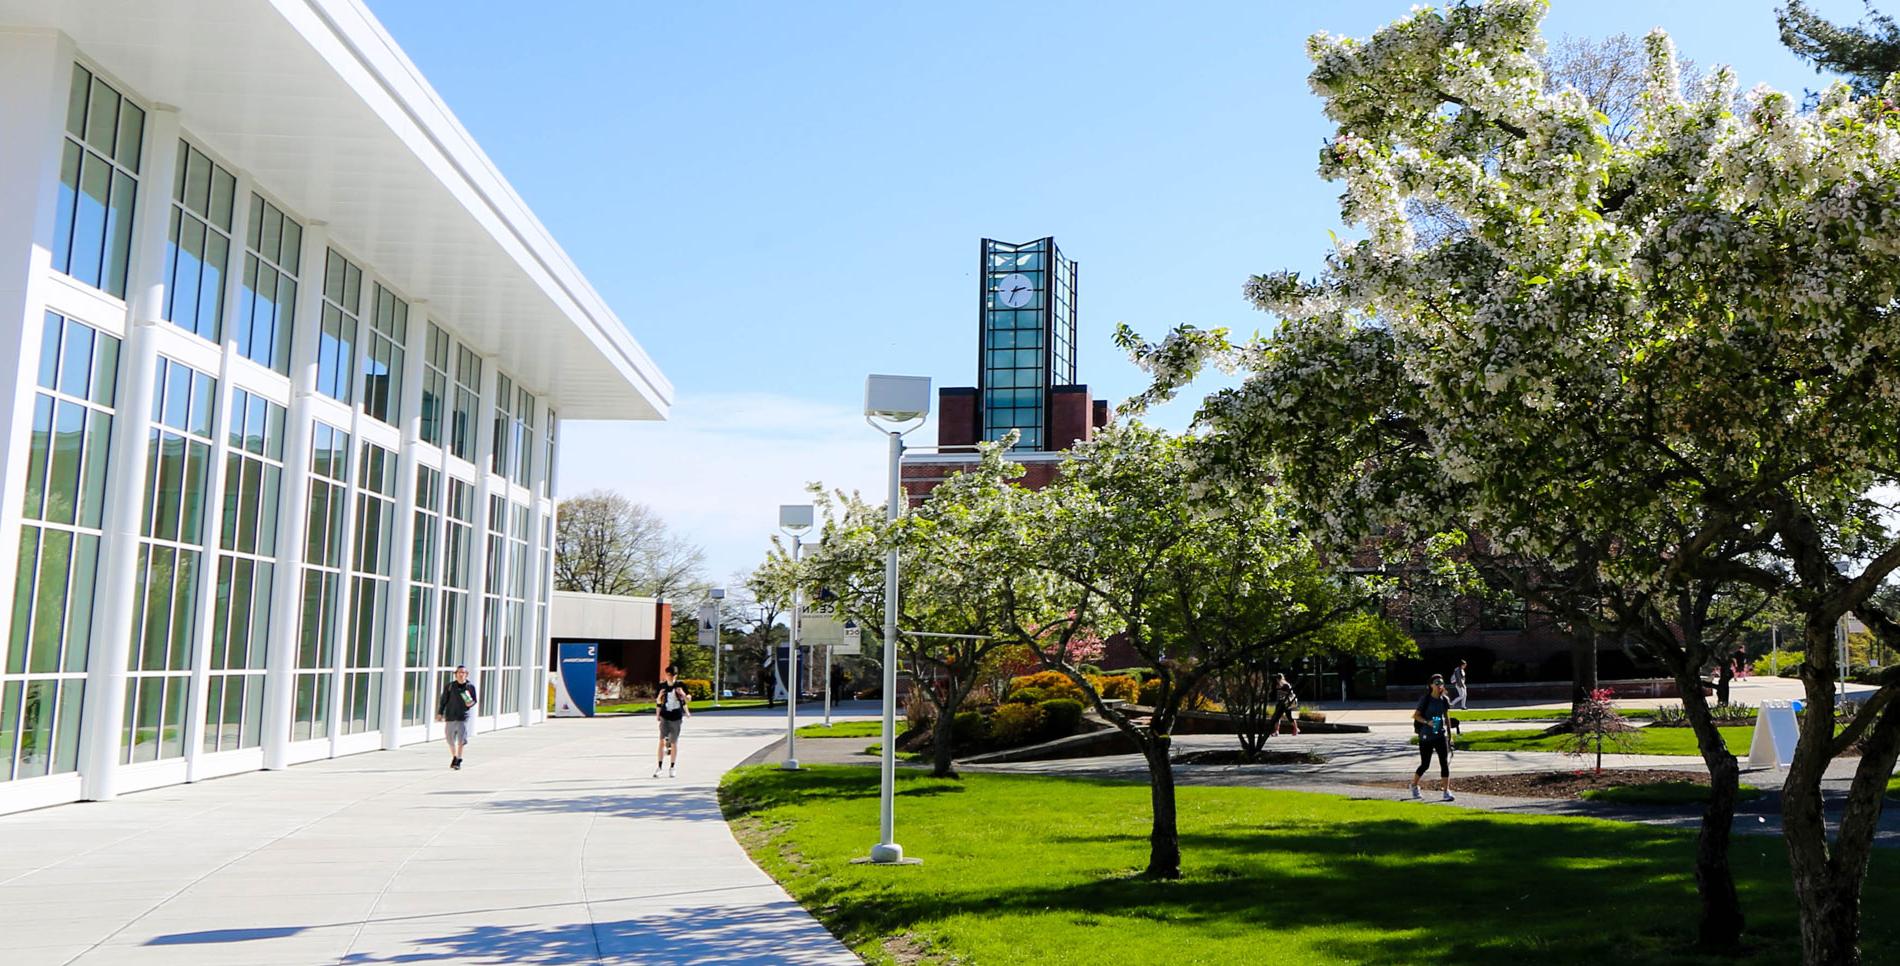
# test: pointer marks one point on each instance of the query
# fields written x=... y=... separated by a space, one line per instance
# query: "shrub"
x=1015 y=724
x=1061 y=717
x=699 y=688
x=1733 y=713
x=1317 y=717
x=609 y=679
x=1117 y=687
x=1028 y=696
x=968 y=729
x=1054 y=684
x=639 y=691
x=1148 y=693
x=1779 y=663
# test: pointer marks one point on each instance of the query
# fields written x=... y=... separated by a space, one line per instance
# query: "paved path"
x=551 y=846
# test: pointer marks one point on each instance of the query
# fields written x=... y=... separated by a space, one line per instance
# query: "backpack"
x=672 y=698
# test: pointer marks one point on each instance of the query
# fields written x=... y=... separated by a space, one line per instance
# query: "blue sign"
x=780 y=669
x=574 y=680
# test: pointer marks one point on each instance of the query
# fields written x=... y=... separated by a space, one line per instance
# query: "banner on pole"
x=708 y=633
x=574 y=680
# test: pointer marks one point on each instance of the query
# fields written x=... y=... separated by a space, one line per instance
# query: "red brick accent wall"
x=1070 y=416
x=958 y=421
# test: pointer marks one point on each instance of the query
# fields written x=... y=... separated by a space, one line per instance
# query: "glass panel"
x=76 y=98
x=36 y=728
x=172 y=741
x=62 y=478
x=72 y=703
x=39 y=452
x=92 y=493
x=9 y=726
x=79 y=617
x=119 y=232
x=89 y=224
x=75 y=366
x=105 y=371
x=131 y=132
x=25 y=571
x=50 y=608
x=102 y=118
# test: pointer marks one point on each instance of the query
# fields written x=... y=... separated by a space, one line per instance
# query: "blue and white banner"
x=574 y=680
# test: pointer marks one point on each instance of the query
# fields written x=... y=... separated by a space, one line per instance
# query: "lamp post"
x=901 y=403
x=719 y=644
x=793 y=520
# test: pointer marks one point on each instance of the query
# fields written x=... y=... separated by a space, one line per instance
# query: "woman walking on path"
x=1460 y=688
x=1431 y=720
x=453 y=709
x=1286 y=704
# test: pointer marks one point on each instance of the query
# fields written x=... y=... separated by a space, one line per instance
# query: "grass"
x=1662 y=793
x=698 y=707
x=1537 y=714
x=1646 y=741
x=845 y=729
x=876 y=748
x=1035 y=869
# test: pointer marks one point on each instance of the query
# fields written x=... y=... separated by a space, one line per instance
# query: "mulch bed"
x=1555 y=784
x=1232 y=756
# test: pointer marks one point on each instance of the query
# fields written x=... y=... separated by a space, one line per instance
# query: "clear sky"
x=778 y=198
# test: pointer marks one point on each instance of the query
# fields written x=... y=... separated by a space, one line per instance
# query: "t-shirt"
x=671 y=700
x=1434 y=709
x=456 y=700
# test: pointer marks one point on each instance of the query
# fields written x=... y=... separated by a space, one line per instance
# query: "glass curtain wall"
x=42 y=684
x=369 y=590
x=170 y=563
x=458 y=547
x=425 y=572
x=435 y=385
x=273 y=246
x=198 y=244
x=98 y=184
x=322 y=581
x=1014 y=376
x=240 y=622
x=516 y=626
x=382 y=362
x=494 y=596
x=468 y=395
x=336 y=340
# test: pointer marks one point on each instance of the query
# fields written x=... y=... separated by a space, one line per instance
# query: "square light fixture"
x=897 y=397
x=795 y=516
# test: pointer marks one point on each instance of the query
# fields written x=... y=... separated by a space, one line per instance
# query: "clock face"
x=1015 y=291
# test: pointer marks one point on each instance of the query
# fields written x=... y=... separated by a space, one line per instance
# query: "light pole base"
x=889 y=853
x=789 y=764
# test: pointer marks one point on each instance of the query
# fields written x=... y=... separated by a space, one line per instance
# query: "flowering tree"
x=1200 y=574
x=1669 y=361
x=1597 y=721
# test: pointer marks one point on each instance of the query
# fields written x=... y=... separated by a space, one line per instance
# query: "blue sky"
x=778 y=198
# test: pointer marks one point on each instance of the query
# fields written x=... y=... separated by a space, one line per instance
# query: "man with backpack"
x=452 y=708
x=670 y=709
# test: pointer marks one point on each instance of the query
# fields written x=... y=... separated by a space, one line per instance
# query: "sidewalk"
x=551 y=846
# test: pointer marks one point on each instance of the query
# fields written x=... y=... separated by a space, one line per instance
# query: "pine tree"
x=1865 y=53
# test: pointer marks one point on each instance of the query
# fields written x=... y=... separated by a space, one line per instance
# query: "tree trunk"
x=1583 y=666
x=942 y=745
x=1719 y=925
x=1164 y=841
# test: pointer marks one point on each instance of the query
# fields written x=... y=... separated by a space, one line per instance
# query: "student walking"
x=1286 y=705
x=1431 y=719
x=670 y=709
x=1460 y=688
x=454 y=709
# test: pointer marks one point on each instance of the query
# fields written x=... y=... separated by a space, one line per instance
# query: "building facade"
x=291 y=361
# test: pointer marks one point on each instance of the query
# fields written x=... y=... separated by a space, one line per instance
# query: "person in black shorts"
x=1432 y=720
x=670 y=709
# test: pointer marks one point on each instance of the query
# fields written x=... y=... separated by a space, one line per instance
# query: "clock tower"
x=1026 y=343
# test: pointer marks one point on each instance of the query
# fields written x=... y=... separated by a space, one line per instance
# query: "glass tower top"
x=1028 y=339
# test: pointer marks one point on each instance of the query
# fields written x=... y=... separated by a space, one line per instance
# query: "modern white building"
x=290 y=364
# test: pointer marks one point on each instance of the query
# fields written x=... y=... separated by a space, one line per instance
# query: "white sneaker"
x=669 y=770
x=656 y=771
x=1449 y=797
x=1415 y=794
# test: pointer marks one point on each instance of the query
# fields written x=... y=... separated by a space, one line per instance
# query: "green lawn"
x=1031 y=869
x=1662 y=793
x=845 y=729
x=1648 y=741
x=698 y=707
x=1536 y=714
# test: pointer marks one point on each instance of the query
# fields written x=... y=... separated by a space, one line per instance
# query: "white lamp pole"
x=899 y=400
x=793 y=520
x=719 y=644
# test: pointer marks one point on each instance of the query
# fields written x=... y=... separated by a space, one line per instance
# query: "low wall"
x=1546 y=690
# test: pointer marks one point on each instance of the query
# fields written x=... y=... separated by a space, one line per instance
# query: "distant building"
x=1026 y=371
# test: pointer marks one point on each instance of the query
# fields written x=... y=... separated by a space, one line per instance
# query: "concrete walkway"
x=551 y=846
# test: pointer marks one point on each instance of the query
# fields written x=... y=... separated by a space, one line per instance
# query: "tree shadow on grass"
x=1385 y=886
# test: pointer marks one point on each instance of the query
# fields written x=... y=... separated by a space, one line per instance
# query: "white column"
x=280 y=678
x=401 y=558
x=33 y=67
x=112 y=641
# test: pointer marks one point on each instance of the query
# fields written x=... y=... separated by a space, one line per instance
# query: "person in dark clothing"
x=454 y=709
x=1724 y=674
x=1286 y=705
x=1432 y=720
x=670 y=709
x=765 y=679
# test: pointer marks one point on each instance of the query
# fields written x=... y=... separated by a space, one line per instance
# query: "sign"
x=1775 y=736
x=708 y=630
x=779 y=670
x=820 y=630
x=574 y=680
x=853 y=640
